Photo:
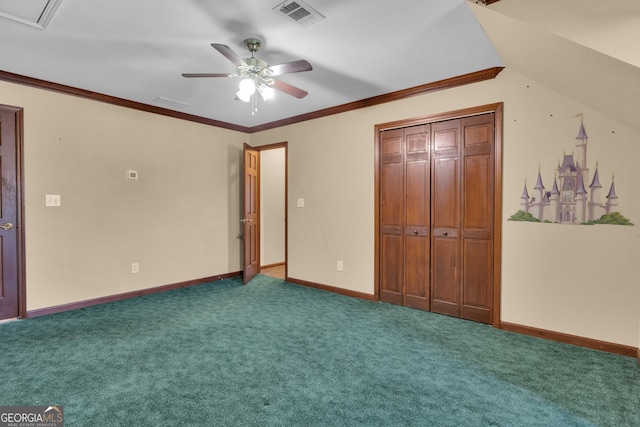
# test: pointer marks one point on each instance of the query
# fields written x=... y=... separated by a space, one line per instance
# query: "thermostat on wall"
x=132 y=174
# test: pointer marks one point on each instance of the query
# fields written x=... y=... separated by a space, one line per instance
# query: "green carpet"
x=272 y=353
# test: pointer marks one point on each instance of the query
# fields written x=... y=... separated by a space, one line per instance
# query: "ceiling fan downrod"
x=253 y=45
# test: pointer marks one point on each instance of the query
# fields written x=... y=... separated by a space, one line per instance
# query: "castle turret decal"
x=612 y=198
x=524 y=199
x=570 y=201
x=594 y=198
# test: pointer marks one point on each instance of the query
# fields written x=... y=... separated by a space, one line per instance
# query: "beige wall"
x=573 y=279
x=180 y=220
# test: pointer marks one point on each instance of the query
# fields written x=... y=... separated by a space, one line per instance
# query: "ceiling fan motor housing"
x=256 y=69
x=252 y=44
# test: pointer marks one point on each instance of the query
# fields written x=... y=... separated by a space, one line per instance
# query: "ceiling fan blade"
x=291 y=90
x=291 y=67
x=205 y=74
x=228 y=53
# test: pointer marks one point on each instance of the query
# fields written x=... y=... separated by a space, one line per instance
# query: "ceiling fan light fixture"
x=247 y=86
x=243 y=96
x=267 y=92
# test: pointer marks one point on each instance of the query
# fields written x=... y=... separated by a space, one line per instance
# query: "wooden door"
x=463 y=217
x=417 y=217
x=404 y=216
x=10 y=215
x=445 y=207
x=391 y=188
x=477 y=217
x=438 y=206
x=251 y=214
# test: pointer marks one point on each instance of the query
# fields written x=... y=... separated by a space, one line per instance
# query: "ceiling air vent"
x=171 y=103
x=299 y=12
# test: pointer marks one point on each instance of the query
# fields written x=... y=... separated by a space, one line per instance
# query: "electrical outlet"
x=340 y=266
x=135 y=268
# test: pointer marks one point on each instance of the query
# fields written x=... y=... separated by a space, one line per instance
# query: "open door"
x=251 y=214
x=12 y=302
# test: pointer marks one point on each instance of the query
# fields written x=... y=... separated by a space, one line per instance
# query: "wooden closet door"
x=391 y=216
x=445 y=211
x=462 y=212
x=477 y=160
x=404 y=216
x=417 y=217
x=438 y=214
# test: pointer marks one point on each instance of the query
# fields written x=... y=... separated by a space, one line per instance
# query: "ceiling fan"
x=256 y=74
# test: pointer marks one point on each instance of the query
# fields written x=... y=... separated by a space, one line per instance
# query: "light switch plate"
x=52 y=200
x=300 y=203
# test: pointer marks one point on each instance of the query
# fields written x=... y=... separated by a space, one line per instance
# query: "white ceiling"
x=137 y=50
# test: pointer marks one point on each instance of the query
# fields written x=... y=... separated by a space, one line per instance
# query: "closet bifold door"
x=404 y=216
x=478 y=165
x=391 y=215
x=462 y=217
x=417 y=218
x=445 y=216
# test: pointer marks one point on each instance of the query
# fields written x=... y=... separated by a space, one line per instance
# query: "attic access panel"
x=35 y=13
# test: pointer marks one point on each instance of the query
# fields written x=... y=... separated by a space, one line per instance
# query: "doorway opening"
x=265 y=211
x=273 y=210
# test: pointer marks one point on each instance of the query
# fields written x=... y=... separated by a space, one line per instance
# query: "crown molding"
x=478 y=76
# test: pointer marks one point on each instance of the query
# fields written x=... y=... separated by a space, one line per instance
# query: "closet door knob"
x=415 y=231
x=445 y=234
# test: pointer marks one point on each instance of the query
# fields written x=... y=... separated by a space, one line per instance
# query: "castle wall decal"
x=570 y=201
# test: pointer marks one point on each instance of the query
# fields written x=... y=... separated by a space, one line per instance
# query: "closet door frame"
x=497 y=109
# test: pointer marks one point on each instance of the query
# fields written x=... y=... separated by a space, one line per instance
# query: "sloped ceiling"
x=584 y=49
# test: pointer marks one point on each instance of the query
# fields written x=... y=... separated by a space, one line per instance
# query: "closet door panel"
x=477 y=280
x=445 y=207
x=391 y=268
x=417 y=271
x=391 y=216
x=445 y=223
x=445 y=259
x=417 y=219
x=391 y=197
x=477 y=218
x=445 y=293
x=477 y=193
